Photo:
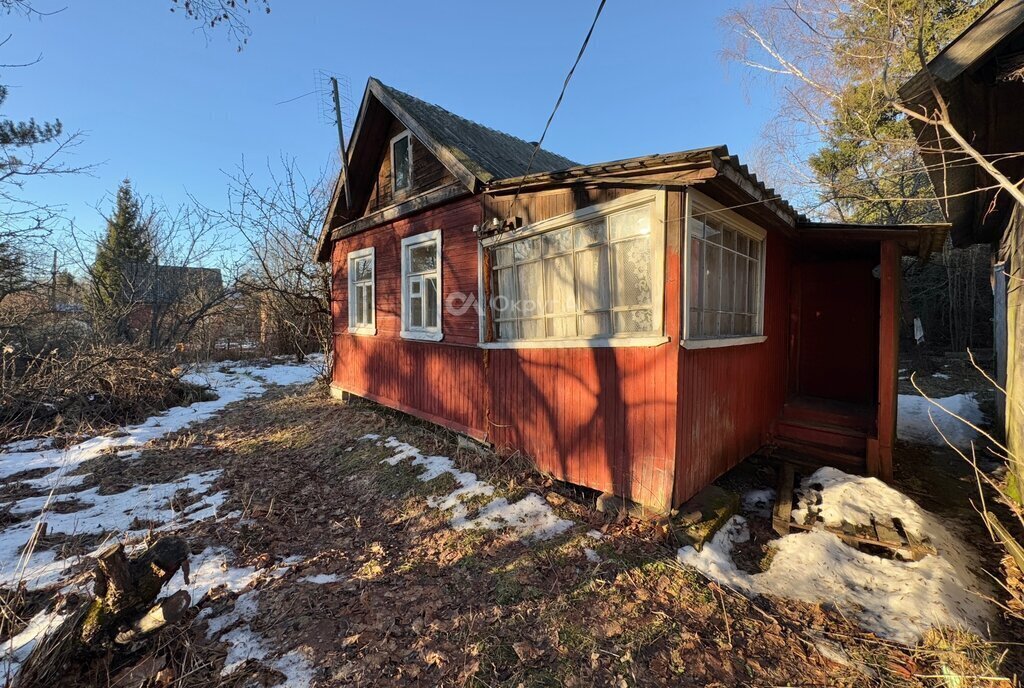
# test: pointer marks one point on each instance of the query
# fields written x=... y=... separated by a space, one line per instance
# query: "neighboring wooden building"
x=980 y=76
x=637 y=326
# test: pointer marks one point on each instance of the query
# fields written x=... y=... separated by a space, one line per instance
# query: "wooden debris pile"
x=105 y=635
x=884 y=533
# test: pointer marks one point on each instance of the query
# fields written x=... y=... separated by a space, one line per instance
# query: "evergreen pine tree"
x=121 y=257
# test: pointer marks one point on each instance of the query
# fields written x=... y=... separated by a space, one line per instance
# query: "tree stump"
x=121 y=612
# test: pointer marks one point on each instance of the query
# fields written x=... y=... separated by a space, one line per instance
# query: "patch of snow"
x=592 y=555
x=115 y=513
x=595 y=534
x=98 y=514
x=245 y=609
x=243 y=644
x=297 y=670
x=16 y=650
x=209 y=570
x=915 y=416
x=295 y=374
x=531 y=517
x=322 y=578
x=898 y=600
x=941 y=376
x=55 y=481
x=759 y=502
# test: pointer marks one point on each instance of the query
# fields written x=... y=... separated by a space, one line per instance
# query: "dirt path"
x=325 y=566
x=385 y=592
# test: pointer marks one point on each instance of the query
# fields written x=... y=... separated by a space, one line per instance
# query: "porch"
x=843 y=345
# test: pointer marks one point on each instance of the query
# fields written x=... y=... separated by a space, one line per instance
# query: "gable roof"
x=488 y=153
x=476 y=155
x=972 y=45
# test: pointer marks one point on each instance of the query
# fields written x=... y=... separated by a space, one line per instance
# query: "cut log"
x=122 y=609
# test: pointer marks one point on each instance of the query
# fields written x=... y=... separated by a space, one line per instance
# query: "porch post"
x=888 y=358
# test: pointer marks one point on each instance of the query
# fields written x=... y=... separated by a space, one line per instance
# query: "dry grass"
x=87 y=390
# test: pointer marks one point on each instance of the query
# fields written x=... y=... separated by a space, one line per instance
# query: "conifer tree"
x=121 y=259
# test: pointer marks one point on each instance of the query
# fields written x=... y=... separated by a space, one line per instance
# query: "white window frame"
x=697 y=202
x=433 y=334
x=658 y=197
x=353 y=326
x=394 y=178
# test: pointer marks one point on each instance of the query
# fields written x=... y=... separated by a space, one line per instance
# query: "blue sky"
x=171 y=106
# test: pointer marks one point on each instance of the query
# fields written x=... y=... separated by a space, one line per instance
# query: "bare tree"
x=280 y=220
x=838 y=143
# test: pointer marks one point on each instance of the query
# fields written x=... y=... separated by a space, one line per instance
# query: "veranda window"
x=361 y=293
x=725 y=275
x=421 y=286
x=597 y=278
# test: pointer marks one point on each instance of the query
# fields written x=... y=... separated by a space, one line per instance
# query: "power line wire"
x=561 y=95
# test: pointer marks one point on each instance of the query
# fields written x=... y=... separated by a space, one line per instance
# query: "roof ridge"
x=446 y=111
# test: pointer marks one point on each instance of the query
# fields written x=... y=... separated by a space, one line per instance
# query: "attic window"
x=401 y=162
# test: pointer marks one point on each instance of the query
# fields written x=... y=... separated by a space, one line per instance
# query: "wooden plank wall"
x=729 y=396
x=600 y=417
x=1013 y=247
x=888 y=359
x=441 y=381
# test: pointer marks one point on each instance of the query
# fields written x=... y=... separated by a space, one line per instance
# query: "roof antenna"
x=341 y=142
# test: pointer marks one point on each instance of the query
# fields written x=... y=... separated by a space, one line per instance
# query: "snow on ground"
x=531 y=518
x=915 y=416
x=17 y=649
x=898 y=600
x=322 y=578
x=139 y=506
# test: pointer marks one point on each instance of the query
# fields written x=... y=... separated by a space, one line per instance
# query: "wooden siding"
x=601 y=417
x=888 y=359
x=729 y=396
x=440 y=381
x=654 y=424
x=542 y=205
x=427 y=173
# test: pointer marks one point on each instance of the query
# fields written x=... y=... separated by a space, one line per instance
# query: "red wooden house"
x=637 y=326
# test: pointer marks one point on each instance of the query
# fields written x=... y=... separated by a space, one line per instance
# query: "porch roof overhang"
x=914 y=239
x=719 y=173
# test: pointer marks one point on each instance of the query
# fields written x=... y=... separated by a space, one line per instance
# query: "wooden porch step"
x=828 y=414
x=833 y=436
x=813 y=455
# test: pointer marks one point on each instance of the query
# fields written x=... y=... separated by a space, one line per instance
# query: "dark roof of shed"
x=152 y=283
x=958 y=71
x=490 y=154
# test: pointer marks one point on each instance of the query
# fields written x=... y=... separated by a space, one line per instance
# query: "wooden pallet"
x=886 y=533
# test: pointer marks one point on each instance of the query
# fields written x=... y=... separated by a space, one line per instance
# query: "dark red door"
x=839 y=330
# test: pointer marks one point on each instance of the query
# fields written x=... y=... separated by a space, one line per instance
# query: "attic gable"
x=472 y=154
x=424 y=171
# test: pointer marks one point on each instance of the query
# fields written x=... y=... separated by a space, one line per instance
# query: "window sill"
x=605 y=342
x=722 y=342
x=363 y=331
x=423 y=336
